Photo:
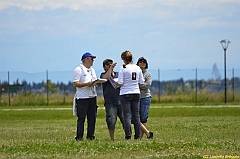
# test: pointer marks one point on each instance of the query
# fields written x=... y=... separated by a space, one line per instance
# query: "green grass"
x=178 y=133
x=204 y=97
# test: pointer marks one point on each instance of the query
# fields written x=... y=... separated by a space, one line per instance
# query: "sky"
x=40 y=35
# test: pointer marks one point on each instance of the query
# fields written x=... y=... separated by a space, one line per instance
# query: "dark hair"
x=126 y=57
x=106 y=61
x=142 y=59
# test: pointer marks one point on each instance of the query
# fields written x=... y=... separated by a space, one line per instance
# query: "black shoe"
x=128 y=138
x=91 y=138
x=150 y=135
x=78 y=139
x=136 y=137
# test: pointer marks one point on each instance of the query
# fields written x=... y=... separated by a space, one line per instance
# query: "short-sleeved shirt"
x=110 y=94
x=130 y=78
x=83 y=74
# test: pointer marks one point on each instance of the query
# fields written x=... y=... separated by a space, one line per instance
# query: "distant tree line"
x=162 y=87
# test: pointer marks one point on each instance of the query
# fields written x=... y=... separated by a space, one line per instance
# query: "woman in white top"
x=129 y=78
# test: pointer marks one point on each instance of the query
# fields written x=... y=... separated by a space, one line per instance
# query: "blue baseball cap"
x=87 y=54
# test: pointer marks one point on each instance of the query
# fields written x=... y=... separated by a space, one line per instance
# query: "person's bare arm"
x=107 y=75
x=81 y=84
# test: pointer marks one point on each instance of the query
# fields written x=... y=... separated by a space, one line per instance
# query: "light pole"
x=225 y=43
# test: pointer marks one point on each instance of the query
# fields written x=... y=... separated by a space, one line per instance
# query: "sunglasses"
x=109 y=63
x=142 y=61
x=90 y=58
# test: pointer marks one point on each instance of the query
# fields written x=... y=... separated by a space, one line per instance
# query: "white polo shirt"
x=83 y=74
x=130 y=78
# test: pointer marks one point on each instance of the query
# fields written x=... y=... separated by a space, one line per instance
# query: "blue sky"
x=39 y=35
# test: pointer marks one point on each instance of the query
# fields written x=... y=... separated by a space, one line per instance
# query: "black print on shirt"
x=134 y=74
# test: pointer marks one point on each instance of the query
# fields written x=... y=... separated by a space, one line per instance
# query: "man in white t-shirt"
x=85 y=98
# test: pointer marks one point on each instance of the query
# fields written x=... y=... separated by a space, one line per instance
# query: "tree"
x=171 y=88
x=51 y=87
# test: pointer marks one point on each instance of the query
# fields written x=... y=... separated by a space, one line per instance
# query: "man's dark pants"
x=86 y=107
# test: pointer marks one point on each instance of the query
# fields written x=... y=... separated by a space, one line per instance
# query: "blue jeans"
x=144 y=109
x=112 y=111
x=130 y=107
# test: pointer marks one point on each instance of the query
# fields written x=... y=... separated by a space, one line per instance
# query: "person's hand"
x=113 y=65
x=98 y=84
x=89 y=84
x=117 y=84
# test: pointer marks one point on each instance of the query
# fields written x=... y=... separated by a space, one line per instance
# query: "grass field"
x=178 y=133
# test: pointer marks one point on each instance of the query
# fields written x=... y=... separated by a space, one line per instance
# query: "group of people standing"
x=126 y=95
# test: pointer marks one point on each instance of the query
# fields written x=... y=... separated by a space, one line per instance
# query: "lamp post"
x=225 y=43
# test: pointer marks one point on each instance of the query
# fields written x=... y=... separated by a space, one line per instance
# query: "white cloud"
x=79 y=17
x=203 y=22
x=107 y=4
x=58 y=4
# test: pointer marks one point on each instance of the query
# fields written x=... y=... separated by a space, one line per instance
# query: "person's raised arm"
x=107 y=75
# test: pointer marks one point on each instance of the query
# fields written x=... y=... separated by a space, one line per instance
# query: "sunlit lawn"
x=178 y=133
